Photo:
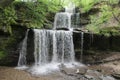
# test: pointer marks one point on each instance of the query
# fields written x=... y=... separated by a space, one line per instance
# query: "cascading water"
x=82 y=41
x=42 y=45
x=91 y=38
x=62 y=50
x=23 y=51
x=62 y=20
x=53 y=48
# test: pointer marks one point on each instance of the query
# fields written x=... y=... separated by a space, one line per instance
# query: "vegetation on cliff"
x=107 y=15
x=30 y=14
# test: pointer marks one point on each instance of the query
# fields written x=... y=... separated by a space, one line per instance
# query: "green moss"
x=2 y=54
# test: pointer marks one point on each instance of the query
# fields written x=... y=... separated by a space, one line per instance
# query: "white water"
x=61 y=47
x=62 y=20
x=82 y=42
x=23 y=51
x=41 y=46
x=64 y=47
x=22 y=55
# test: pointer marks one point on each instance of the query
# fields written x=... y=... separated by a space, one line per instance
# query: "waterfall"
x=41 y=46
x=63 y=19
x=62 y=46
x=52 y=48
x=23 y=51
x=91 y=38
x=57 y=43
x=63 y=49
x=82 y=42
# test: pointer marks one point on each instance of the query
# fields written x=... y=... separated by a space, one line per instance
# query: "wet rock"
x=83 y=78
x=63 y=29
x=115 y=63
x=117 y=76
x=107 y=78
x=81 y=71
x=81 y=30
x=63 y=69
x=90 y=74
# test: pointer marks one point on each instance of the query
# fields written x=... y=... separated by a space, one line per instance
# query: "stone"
x=81 y=71
x=107 y=78
x=90 y=74
x=117 y=76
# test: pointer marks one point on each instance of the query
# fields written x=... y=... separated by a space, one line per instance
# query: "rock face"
x=9 y=45
x=95 y=47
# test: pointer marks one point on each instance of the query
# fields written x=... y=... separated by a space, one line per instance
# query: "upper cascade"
x=63 y=19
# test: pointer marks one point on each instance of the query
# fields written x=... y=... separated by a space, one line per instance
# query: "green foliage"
x=102 y=17
x=34 y=14
x=106 y=13
x=7 y=17
x=85 y=5
x=113 y=1
x=31 y=14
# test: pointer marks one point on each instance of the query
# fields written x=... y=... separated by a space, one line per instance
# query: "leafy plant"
x=102 y=17
x=98 y=19
x=7 y=17
x=34 y=14
x=85 y=5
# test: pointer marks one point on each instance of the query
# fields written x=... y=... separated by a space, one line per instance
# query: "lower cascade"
x=52 y=49
x=60 y=43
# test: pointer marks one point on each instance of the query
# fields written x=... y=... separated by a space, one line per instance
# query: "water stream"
x=23 y=51
x=82 y=42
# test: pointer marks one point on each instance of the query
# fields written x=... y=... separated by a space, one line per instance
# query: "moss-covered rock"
x=9 y=46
